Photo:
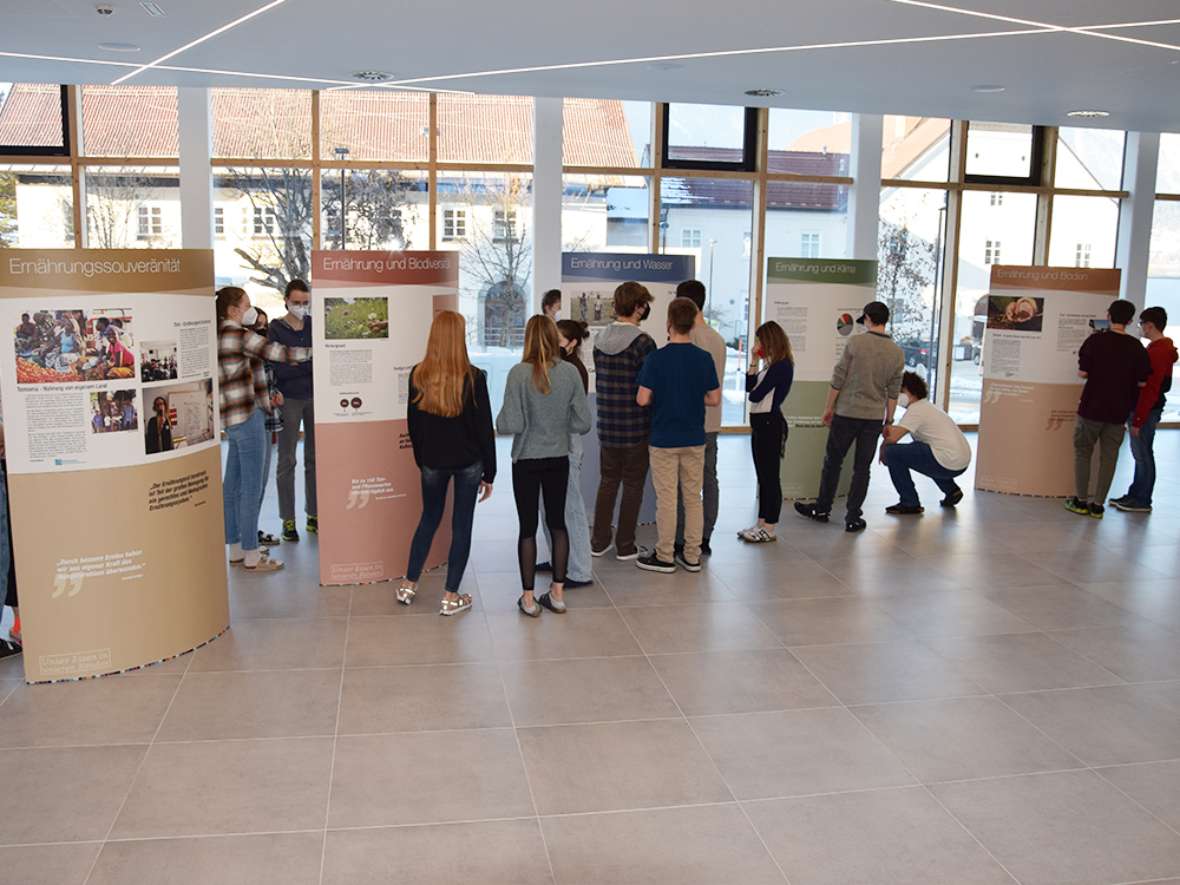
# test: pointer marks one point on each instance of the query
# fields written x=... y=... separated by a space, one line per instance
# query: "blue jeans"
x=577 y=526
x=901 y=458
x=1143 y=451
x=242 y=486
x=434 y=502
x=266 y=456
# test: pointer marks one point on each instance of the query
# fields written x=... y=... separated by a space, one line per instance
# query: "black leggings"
x=768 y=438
x=10 y=598
x=532 y=478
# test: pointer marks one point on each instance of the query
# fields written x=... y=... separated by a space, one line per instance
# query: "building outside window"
x=991 y=252
x=1082 y=255
x=264 y=221
x=997 y=199
x=690 y=238
x=219 y=221
x=809 y=245
x=504 y=226
x=151 y=222
x=454 y=224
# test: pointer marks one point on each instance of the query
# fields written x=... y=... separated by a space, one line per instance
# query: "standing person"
x=1115 y=366
x=939 y=450
x=677 y=382
x=861 y=402
x=623 y=427
x=709 y=340
x=450 y=422
x=294 y=382
x=158 y=436
x=13 y=645
x=551 y=304
x=244 y=402
x=1148 y=411
x=544 y=403
x=768 y=381
x=579 y=572
x=273 y=425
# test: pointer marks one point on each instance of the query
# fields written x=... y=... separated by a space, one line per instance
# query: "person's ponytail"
x=227 y=297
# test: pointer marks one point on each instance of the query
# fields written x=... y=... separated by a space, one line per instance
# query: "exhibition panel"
x=1037 y=318
x=817 y=304
x=371 y=320
x=111 y=430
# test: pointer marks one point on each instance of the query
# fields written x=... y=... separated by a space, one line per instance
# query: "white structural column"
x=1140 y=162
x=547 y=188
x=864 y=202
x=196 y=173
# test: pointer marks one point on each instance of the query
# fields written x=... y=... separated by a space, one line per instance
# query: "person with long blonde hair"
x=450 y=419
x=544 y=402
x=768 y=381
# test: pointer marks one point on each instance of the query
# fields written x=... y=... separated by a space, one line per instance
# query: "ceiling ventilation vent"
x=372 y=76
x=152 y=9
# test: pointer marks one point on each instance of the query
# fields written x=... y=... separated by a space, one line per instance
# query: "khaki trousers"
x=683 y=470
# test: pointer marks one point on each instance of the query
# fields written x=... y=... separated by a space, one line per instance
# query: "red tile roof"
x=140 y=121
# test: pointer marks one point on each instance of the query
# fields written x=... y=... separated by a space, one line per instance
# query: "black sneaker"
x=1129 y=505
x=1097 y=511
x=650 y=562
x=571 y=583
x=603 y=552
x=952 y=499
x=706 y=550
x=686 y=564
x=545 y=566
x=905 y=509
x=855 y=525
x=290 y=533
x=1073 y=505
x=808 y=511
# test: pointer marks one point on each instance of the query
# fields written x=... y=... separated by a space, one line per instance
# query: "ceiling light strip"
x=227 y=26
x=719 y=53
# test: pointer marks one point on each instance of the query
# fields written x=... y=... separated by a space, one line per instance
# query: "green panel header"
x=821 y=270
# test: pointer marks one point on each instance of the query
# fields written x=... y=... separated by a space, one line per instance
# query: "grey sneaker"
x=687 y=564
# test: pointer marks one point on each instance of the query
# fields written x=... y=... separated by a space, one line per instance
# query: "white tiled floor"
x=985 y=696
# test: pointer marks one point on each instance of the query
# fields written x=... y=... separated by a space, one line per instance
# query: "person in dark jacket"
x=450 y=422
x=158 y=436
x=294 y=383
x=624 y=428
x=768 y=381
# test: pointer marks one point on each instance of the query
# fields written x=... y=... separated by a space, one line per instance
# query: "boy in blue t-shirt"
x=677 y=382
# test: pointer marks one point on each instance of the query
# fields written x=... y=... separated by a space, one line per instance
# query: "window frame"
x=45 y=150
x=748 y=162
x=1036 y=163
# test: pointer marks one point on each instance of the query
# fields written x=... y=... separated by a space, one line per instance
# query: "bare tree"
x=280 y=201
x=498 y=257
x=113 y=201
x=376 y=211
x=8 y=224
x=906 y=268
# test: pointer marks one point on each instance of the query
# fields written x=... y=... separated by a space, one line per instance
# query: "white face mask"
x=299 y=311
x=903 y=400
x=250 y=317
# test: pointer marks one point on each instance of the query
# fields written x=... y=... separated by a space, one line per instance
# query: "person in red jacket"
x=1152 y=396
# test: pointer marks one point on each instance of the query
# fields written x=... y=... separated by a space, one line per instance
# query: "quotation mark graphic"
x=1055 y=423
x=358 y=500
x=72 y=583
x=993 y=396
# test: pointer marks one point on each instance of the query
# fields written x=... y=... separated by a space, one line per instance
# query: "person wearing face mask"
x=579 y=572
x=245 y=402
x=551 y=304
x=295 y=384
x=624 y=427
x=158 y=436
x=939 y=450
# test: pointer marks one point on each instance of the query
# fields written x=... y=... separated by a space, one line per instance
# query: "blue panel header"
x=623 y=266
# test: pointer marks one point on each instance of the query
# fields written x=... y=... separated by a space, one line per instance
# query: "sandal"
x=453 y=607
x=267 y=539
x=265 y=564
x=406 y=594
x=534 y=612
x=264 y=552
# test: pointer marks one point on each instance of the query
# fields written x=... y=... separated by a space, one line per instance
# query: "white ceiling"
x=565 y=49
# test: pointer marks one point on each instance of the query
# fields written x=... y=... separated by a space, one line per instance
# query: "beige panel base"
x=107 y=583
x=1026 y=438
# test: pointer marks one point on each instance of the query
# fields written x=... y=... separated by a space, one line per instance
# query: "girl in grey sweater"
x=544 y=402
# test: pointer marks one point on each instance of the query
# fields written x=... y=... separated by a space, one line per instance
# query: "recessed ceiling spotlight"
x=988 y=88
x=1089 y=115
x=118 y=47
x=763 y=93
x=372 y=76
x=104 y=9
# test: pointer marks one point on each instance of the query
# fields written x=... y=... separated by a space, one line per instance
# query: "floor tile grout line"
x=524 y=767
x=138 y=770
x=704 y=749
x=335 y=741
x=1094 y=770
